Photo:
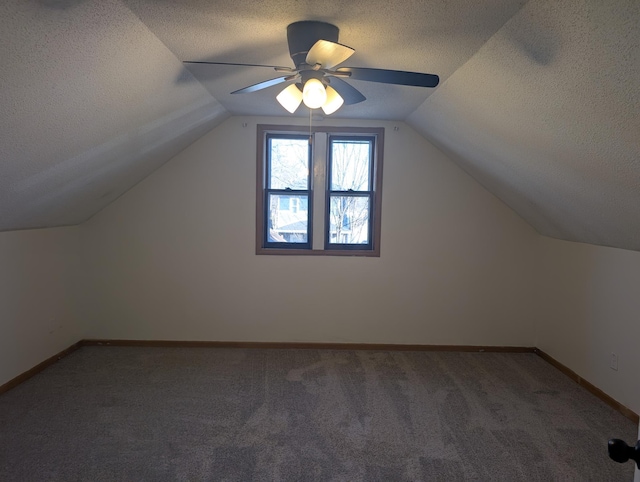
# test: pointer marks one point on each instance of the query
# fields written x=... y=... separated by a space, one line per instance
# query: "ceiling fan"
x=315 y=51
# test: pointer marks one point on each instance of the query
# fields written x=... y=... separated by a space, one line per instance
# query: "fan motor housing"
x=302 y=35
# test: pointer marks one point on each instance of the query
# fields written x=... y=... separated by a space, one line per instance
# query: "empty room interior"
x=294 y=240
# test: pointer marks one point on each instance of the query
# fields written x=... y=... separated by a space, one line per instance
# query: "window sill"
x=317 y=252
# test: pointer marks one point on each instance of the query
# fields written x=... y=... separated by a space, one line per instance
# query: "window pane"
x=349 y=218
x=288 y=219
x=350 y=165
x=289 y=164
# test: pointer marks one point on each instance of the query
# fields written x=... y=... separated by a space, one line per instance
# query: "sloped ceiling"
x=546 y=115
x=538 y=100
x=89 y=106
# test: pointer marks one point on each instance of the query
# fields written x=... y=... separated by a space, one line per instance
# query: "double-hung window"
x=287 y=192
x=319 y=193
x=350 y=193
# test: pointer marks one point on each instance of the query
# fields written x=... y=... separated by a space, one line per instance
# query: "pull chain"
x=310 y=136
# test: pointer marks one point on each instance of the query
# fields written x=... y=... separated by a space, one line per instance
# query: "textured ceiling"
x=89 y=106
x=547 y=116
x=422 y=35
x=538 y=100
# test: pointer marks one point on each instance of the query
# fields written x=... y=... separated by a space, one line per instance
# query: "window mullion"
x=319 y=180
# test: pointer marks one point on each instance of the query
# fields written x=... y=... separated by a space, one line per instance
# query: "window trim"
x=267 y=191
x=376 y=207
x=370 y=194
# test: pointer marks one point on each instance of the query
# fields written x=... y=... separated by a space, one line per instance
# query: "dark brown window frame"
x=376 y=208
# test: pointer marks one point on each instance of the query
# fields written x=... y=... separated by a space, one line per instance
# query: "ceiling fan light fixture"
x=290 y=98
x=333 y=102
x=314 y=94
x=316 y=55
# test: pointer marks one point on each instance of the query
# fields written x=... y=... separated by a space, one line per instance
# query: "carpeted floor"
x=138 y=414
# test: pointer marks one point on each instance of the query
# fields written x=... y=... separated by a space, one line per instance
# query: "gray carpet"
x=136 y=414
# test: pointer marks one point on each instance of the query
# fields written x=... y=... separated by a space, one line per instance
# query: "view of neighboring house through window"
x=287 y=189
x=332 y=182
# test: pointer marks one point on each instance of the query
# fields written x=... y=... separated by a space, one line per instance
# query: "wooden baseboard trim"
x=612 y=402
x=627 y=412
x=309 y=345
x=23 y=377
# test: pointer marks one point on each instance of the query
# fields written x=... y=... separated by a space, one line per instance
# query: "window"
x=319 y=195
x=349 y=192
x=287 y=182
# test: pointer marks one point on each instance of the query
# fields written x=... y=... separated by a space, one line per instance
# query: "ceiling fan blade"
x=263 y=85
x=276 y=67
x=399 y=77
x=328 y=54
x=350 y=94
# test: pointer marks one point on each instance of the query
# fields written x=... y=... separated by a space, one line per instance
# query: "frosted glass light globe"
x=334 y=101
x=314 y=94
x=290 y=98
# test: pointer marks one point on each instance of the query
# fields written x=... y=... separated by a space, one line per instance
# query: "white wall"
x=174 y=258
x=590 y=308
x=38 y=279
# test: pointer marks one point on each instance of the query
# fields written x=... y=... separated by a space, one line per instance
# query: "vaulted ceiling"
x=539 y=100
